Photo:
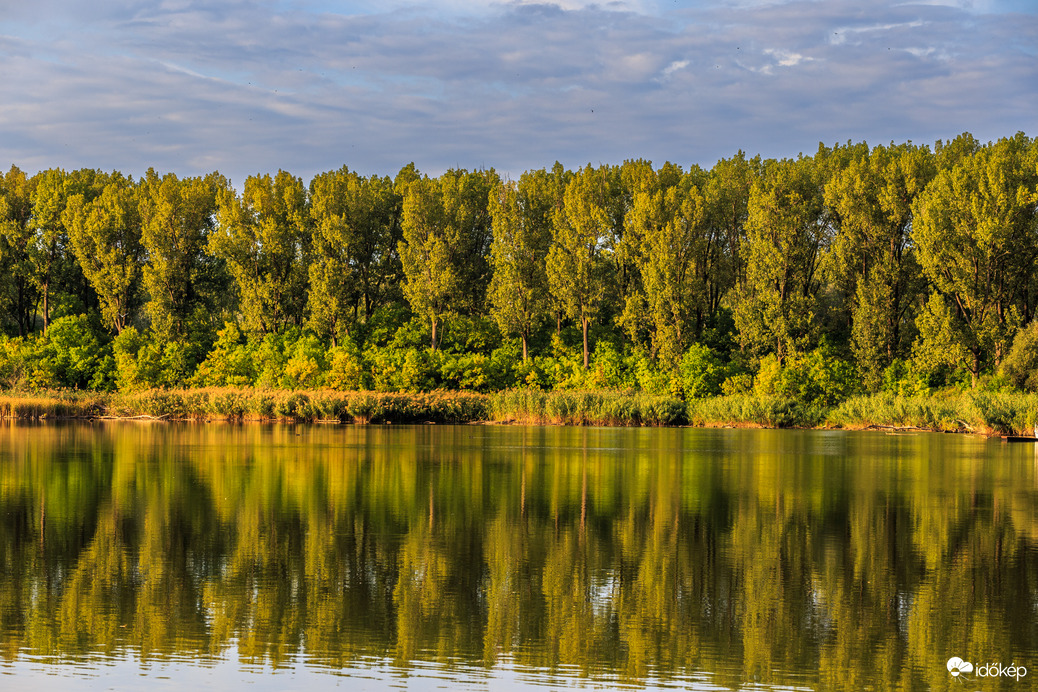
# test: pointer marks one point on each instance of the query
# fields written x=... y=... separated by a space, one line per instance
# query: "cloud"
x=249 y=86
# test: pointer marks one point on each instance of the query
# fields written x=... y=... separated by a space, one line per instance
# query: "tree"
x=786 y=234
x=874 y=256
x=55 y=271
x=356 y=224
x=427 y=253
x=446 y=243
x=177 y=218
x=576 y=266
x=21 y=295
x=264 y=238
x=521 y=216
x=975 y=226
x=466 y=207
x=726 y=195
x=106 y=237
x=674 y=260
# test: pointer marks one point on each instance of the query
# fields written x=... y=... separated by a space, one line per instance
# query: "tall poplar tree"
x=177 y=218
x=106 y=237
x=55 y=270
x=521 y=216
x=874 y=256
x=576 y=266
x=428 y=254
x=21 y=294
x=786 y=233
x=674 y=261
x=975 y=226
x=264 y=238
x=356 y=223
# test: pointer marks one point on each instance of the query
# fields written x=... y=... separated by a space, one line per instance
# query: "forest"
x=902 y=268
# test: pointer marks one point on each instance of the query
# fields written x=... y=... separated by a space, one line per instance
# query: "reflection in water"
x=672 y=557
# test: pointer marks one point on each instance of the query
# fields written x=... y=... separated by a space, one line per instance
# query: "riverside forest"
x=843 y=287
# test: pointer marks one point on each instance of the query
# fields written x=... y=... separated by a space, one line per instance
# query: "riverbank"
x=968 y=412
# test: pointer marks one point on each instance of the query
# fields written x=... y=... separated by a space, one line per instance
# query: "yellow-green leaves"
x=521 y=214
x=106 y=236
x=975 y=229
x=786 y=234
x=575 y=263
x=264 y=238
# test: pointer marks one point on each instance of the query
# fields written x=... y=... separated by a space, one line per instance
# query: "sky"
x=249 y=87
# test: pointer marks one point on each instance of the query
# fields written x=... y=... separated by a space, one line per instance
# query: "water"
x=485 y=558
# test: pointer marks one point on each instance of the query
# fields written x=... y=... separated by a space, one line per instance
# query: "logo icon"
x=956 y=666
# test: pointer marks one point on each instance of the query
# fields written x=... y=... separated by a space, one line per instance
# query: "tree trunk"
x=584 y=321
x=435 y=345
x=524 y=348
x=46 y=306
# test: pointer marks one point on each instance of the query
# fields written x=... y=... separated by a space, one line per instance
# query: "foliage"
x=1021 y=364
x=762 y=277
x=702 y=372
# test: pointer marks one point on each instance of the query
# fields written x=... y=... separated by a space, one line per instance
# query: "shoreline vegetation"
x=859 y=286
x=982 y=413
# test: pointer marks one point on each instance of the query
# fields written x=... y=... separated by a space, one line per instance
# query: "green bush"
x=75 y=352
x=1020 y=366
x=346 y=367
x=702 y=372
x=307 y=365
x=817 y=378
x=229 y=363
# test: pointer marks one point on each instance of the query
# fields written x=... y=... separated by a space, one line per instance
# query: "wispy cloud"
x=249 y=86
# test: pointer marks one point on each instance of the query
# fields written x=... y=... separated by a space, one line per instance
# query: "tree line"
x=899 y=267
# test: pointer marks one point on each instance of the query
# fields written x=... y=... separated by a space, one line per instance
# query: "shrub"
x=1020 y=366
x=346 y=369
x=702 y=372
x=230 y=362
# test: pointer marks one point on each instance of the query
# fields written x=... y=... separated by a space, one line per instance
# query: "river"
x=215 y=556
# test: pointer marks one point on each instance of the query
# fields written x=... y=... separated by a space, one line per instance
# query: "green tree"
x=726 y=195
x=356 y=228
x=975 y=229
x=466 y=206
x=786 y=234
x=264 y=238
x=675 y=261
x=55 y=270
x=576 y=266
x=106 y=238
x=522 y=233
x=177 y=218
x=428 y=252
x=874 y=256
x=21 y=295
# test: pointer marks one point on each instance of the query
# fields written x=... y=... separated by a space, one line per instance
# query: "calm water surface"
x=485 y=558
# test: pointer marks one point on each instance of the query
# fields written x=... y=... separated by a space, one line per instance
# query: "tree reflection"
x=843 y=562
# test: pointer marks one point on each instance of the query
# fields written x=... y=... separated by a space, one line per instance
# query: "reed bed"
x=974 y=412
x=988 y=413
x=306 y=406
x=603 y=407
x=751 y=410
x=41 y=406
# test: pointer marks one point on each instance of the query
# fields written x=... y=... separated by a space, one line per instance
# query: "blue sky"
x=251 y=86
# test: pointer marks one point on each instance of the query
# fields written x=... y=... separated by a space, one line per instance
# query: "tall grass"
x=754 y=410
x=311 y=405
x=38 y=406
x=604 y=407
x=979 y=412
